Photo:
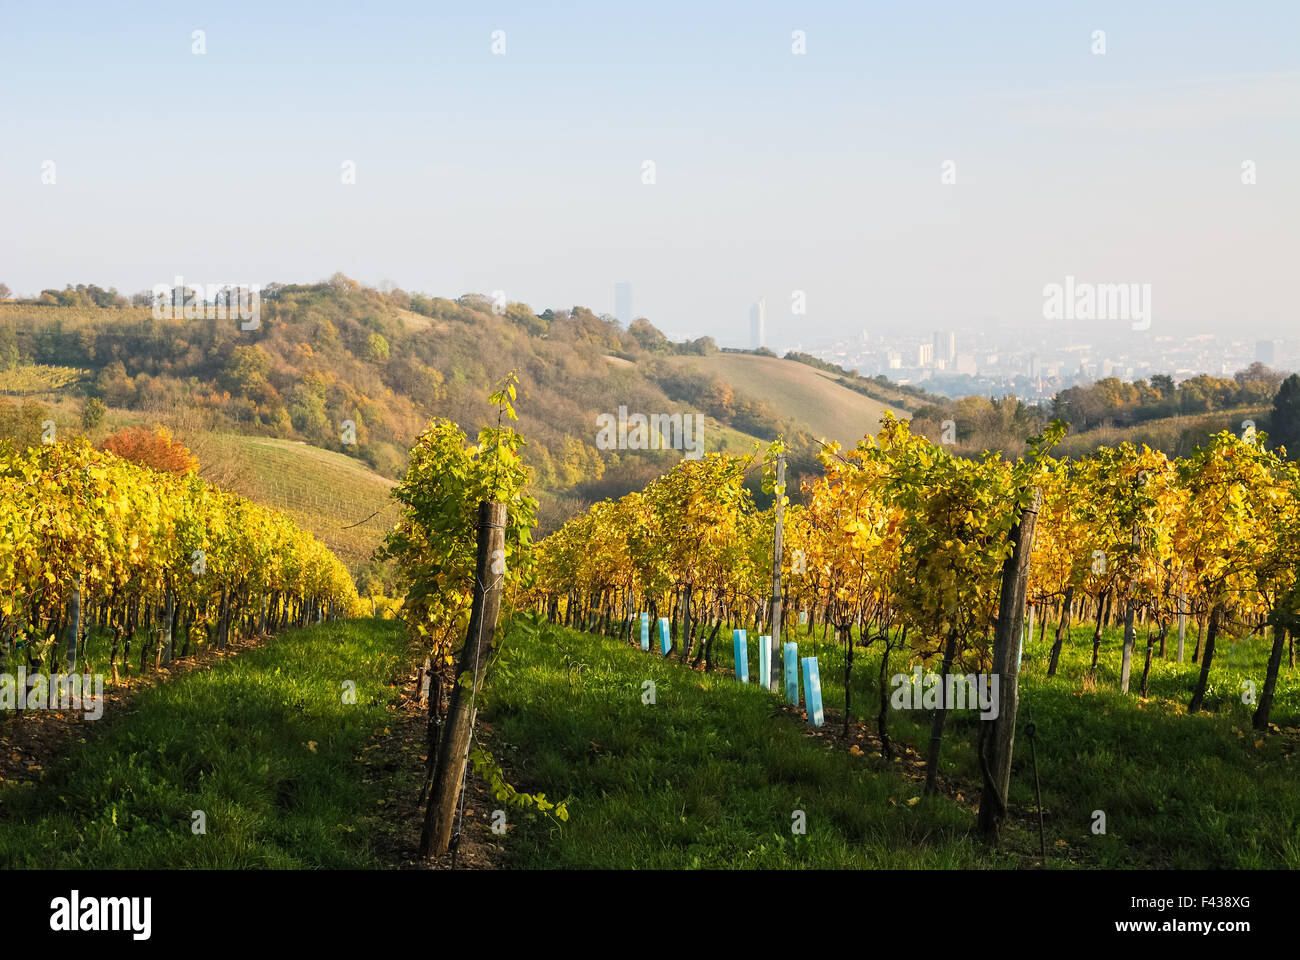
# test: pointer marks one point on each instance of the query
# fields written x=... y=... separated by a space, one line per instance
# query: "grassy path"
x=263 y=744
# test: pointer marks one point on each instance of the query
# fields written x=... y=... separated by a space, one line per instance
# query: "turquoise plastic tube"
x=645 y=631
x=812 y=691
x=791 y=657
x=665 y=640
x=740 y=640
x=765 y=662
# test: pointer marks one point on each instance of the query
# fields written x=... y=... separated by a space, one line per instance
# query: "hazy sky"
x=774 y=171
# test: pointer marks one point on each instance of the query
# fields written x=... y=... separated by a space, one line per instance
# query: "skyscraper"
x=1266 y=352
x=945 y=346
x=758 y=324
x=623 y=303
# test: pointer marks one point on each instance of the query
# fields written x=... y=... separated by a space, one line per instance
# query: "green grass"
x=338 y=498
x=709 y=776
x=723 y=439
x=233 y=742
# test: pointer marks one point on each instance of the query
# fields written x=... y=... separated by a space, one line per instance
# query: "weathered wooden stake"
x=996 y=745
x=453 y=745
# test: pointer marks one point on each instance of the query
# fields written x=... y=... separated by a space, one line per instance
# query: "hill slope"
x=339 y=499
x=809 y=397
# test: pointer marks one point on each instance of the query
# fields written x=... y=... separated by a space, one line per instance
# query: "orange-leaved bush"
x=152 y=448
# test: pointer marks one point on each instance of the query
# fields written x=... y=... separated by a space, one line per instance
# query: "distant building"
x=1266 y=352
x=945 y=346
x=758 y=324
x=894 y=359
x=623 y=303
x=925 y=354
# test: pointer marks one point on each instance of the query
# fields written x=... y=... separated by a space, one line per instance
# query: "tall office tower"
x=1266 y=352
x=925 y=355
x=945 y=346
x=623 y=303
x=758 y=324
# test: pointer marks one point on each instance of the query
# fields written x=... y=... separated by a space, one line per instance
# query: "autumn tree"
x=154 y=448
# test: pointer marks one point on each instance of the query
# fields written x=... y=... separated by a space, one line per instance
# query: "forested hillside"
x=327 y=354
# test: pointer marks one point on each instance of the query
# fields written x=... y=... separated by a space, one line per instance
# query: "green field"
x=339 y=499
x=807 y=395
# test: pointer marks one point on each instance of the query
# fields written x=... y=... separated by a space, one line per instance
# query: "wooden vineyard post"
x=453 y=746
x=774 y=644
x=1130 y=634
x=995 y=744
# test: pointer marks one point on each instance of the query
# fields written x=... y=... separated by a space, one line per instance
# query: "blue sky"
x=774 y=172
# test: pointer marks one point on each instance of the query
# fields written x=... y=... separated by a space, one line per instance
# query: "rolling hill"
x=809 y=397
x=338 y=498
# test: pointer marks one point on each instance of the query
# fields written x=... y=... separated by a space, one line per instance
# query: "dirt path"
x=398 y=756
